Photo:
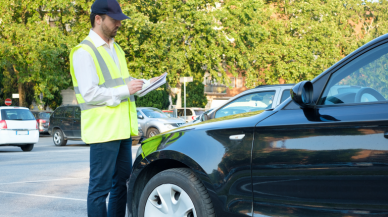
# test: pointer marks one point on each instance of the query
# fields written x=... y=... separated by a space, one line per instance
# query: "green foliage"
x=195 y=96
x=54 y=102
x=33 y=53
x=268 y=41
x=157 y=99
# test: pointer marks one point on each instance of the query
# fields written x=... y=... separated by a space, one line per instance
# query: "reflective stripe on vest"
x=109 y=81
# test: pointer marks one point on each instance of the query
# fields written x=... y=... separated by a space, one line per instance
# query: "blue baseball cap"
x=110 y=8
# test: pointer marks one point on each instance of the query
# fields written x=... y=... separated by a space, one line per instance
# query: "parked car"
x=153 y=121
x=43 y=120
x=260 y=98
x=18 y=127
x=191 y=113
x=199 y=118
x=65 y=124
x=322 y=152
x=169 y=113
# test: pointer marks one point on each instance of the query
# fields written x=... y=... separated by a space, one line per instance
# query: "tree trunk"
x=21 y=89
x=22 y=94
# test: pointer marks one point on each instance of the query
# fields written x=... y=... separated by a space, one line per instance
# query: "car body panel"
x=291 y=167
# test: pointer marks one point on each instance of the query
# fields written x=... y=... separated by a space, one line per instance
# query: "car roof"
x=274 y=85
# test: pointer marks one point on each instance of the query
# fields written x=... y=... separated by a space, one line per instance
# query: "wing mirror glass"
x=302 y=94
x=140 y=116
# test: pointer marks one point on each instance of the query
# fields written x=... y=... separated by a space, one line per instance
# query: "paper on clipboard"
x=152 y=86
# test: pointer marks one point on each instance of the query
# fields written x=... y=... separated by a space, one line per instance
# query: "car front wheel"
x=175 y=192
x=152 y=132
x=58 y=138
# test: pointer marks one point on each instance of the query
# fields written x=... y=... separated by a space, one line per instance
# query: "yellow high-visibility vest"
x=105 y=123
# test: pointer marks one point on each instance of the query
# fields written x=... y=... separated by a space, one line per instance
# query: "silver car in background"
x=153 y=121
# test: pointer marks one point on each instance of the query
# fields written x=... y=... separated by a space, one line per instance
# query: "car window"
x=77 y=113
x=181 y=112
x=59 y=112
x=285 y=95
x=199 y=112
x=364 y=80
x=247 y=103
x=69 y=112
x=17 y=114
x=154 y=113
x=44 y=115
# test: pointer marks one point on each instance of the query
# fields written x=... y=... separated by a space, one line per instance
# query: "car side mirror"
x=140 y=117
x=302 y=94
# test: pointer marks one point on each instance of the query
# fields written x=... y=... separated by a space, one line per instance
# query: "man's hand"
x=154 y=79
x=134 y=86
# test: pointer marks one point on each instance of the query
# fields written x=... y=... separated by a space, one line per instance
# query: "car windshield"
x=154 y=113
x=16 y=114
x=44 y=115
x=199 y=112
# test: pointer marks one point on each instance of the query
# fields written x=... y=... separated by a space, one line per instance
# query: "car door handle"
x=386 y=134
x=237 y=137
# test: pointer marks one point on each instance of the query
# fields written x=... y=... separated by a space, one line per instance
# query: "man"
x=104 y=91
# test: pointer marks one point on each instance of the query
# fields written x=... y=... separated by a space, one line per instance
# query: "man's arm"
x=87 y=78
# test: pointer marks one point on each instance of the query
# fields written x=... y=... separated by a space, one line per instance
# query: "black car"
x=65 y=124
x=42 y=118
x=322 y=153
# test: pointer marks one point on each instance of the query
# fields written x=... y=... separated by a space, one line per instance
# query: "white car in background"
x=18 y=127
x=191 y=113
x=260 y=98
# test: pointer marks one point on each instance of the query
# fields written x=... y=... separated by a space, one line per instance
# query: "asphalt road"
x=49 y=181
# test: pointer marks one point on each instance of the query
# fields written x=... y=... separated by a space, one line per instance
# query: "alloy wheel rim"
x=169 y=200
x=152 y=133
x=57 y=138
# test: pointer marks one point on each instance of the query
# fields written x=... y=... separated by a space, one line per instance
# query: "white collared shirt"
x=87 y=77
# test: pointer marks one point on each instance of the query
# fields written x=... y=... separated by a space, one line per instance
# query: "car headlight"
x=139 y=151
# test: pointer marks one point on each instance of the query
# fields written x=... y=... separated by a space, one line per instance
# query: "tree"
x=157 y=98
x=33 y=53
x=195 y=96
x=270 y=42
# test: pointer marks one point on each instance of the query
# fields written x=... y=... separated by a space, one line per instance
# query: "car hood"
x=232 y=121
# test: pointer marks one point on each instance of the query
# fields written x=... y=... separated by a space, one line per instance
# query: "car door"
x=57 y=117
x=331 y=159
x=67 y=121
x=77 y=122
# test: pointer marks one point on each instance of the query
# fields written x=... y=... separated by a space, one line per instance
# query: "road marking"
x=49 y=180
x=37 y=195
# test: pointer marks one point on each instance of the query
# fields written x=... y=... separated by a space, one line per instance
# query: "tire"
x=190 y=195
x=58 y=138
x=152 y=132
x=28 y=147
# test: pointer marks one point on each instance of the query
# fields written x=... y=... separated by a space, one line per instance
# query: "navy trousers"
x=110 y=167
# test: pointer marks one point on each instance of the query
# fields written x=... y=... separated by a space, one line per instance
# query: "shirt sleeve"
x=87 y=79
